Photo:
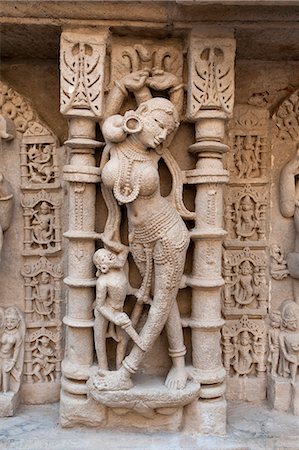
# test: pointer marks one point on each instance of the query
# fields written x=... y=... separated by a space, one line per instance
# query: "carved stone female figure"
x=289 y=340
x=158 y=237
x=289 y=207
x=243 y=359
x=11 y=350
x=6 y=207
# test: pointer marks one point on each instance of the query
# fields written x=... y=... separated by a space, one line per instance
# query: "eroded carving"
x=287 y=118
x=246 y=214
x=6 y=207
x=278 y=268
x=244 y=345
x=43 y=356
x=12 y=338
x=42 y=224
x=245 y=278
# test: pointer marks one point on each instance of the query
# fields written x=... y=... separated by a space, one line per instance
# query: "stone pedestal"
x=206 y=417
x=250 y=389
x=9 y=401
x=279 y=393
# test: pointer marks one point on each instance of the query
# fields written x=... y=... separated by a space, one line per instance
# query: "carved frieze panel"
x=287 y=118
x=248 y=158
x=42 y=229
x=39 y=165
x=42 y=292
x=244 y=347
x=82 y=59
x=211 y=66
x=43 y=356
x=246 y=216
x=147 y=55
x=245 y=276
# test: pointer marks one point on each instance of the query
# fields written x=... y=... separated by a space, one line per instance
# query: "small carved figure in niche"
x=246 y=221
x=11 y=349
x=158 y=237
x=273 y=339
x=244 y=289
x=289 y=207
x=247 y=160
x=40 y=163
x=44 y=360
x=43 y=226
x=228 y=352
x=289 y=340
x=244 y=354
x=279 y=269
x=111 y=291
x=43 y=297
x=6 y=207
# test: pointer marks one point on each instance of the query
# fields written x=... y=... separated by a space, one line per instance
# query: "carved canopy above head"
x=286 y=118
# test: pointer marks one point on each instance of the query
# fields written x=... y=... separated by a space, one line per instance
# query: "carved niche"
x=248 y=158
x=43 y=356
x=245 y=216
x=244 y=347
x=278 y=268
x=42 y=292
x=245 y=275
x=42 y=230
x=287 y=118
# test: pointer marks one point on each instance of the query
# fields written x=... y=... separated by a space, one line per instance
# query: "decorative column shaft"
x=82 y=92
x=210 y=103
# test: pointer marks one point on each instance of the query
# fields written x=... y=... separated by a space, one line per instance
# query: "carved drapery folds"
x=41 y=203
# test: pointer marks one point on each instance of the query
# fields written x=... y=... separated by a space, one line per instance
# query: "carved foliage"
x=246 y=213
x=43 y=356
x=211 y=66
x=42 y=292
x=248 y=157
x=244 y=343
x=245 y=278
x=127 y=57
x=287 y=118
x=42 y=224
x=82 y=73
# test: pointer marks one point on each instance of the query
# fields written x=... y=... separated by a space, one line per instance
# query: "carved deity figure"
x=289 y=340
x=246 y=221
x=279 y=269
x=273 y=340
x=247 y=160
x=289 y=207
x=244 y=354
x=158 y=237
x=244 y=289
x=43 y=225
x=44 y=360
x=12 y=335
x=40 y=163
x=43 y=297
x=6 y=207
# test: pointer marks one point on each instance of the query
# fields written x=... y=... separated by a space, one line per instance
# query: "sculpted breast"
x=110 y=172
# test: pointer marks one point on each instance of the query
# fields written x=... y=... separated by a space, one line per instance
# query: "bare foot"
x=176 y=378
x=118 y=380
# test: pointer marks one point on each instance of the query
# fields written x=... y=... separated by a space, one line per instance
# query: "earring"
x=132 y=123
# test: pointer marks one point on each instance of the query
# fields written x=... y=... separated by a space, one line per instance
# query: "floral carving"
x=82 y=74
x=245 y=278
x=244 y=344
x=212 y=72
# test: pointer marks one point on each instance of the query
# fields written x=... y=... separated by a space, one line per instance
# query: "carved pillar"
x=82 y=92
x=210 y=104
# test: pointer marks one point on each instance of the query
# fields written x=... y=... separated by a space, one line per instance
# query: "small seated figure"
x=111 y=291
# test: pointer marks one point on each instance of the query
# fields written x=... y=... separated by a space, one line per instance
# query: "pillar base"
x=206 y=417
x=80 y=410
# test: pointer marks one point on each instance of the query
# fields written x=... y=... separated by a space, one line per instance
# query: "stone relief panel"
x=246 y=284
x=42 y=292
x=42 y=356
x=287 y=118
x=81 y=63
x=211 y=64
x=42 y=229
x=246 y=216
x=248 y=158
x=278 y=267
x=244 y=358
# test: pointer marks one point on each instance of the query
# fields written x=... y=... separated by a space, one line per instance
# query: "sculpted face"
x=157 y=125
x=105 y=260
x=11 y=321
